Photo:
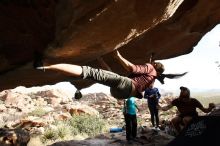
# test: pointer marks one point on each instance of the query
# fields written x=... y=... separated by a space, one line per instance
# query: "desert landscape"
x=50 y=116
x=181 y=34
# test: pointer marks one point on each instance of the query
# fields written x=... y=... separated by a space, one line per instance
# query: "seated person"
x=186 y=107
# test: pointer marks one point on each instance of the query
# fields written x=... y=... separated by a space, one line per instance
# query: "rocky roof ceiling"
x=87 y=31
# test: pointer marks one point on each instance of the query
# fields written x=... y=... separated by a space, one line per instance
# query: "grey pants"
x=120 y=86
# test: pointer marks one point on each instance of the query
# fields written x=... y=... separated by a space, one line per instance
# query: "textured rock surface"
x=82 y=31
x=13 y=137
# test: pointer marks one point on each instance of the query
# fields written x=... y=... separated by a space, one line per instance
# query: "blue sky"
x=201 y=65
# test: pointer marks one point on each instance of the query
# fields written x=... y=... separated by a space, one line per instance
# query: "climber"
x=121 y=87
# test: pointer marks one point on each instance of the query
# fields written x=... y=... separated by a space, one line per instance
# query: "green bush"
x=77 y=125
x=63 y=131
x=49 y=134
x=74 y=131
x=86 y=124
x=38 y=112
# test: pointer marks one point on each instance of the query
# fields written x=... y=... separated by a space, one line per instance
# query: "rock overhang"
x=86 y=32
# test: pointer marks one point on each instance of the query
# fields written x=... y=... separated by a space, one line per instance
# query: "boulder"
x=9 y=137
x=79 y=32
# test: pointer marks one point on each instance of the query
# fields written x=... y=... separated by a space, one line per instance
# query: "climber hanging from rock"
x=121 y=87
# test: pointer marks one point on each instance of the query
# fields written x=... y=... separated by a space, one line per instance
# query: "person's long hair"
x=162 y=76
x=160 y=69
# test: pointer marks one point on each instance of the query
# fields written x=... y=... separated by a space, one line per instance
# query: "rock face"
x=13 y=137
x=82 y=31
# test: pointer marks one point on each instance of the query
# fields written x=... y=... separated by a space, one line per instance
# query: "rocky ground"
x=21 y=113
x=146 y=137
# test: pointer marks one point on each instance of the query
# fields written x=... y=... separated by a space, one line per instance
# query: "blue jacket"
x=152 y=91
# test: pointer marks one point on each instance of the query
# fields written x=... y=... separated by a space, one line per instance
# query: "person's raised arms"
x=124 y=62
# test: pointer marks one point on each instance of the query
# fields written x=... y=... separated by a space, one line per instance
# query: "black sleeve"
x=174 y=102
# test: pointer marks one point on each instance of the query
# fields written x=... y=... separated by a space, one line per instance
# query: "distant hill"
x=204 y=96
x=194 y=92
x=206 y=93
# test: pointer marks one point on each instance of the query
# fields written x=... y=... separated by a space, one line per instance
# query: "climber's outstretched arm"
x=125 y=63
